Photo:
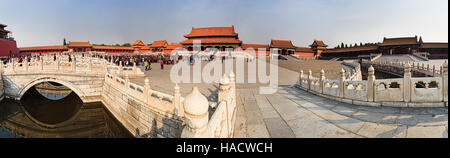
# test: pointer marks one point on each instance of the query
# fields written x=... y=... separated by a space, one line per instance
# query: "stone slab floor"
x=294 y=113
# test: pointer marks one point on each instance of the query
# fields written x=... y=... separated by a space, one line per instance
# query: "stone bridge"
x=142 y=111
x=84 y=76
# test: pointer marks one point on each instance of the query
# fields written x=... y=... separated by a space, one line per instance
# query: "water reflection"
x=37 y=116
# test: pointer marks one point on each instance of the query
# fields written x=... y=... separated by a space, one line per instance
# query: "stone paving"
x=294 y=113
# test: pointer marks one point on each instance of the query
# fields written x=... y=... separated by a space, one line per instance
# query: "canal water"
x=57 y=115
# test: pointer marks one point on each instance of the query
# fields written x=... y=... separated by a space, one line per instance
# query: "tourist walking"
x=146 y=65
x=162 y=65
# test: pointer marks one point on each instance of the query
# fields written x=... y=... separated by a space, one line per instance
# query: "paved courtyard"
x=294 y=113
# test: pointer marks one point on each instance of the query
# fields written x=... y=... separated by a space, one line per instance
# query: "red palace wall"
x=6 y=46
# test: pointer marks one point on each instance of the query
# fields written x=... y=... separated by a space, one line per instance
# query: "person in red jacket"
x=162 y=64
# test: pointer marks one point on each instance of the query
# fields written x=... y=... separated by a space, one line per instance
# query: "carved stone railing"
x=157 y=100
x=417 y=67
x=354 y=73
x=48 y=63
x=221 y=124
x=398 y=92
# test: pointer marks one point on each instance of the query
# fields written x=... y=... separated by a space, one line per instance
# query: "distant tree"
x=360 y=44
x=356 y=44
x=64 y=42
x=126 y=45
x=346 y=46
x=342 y=45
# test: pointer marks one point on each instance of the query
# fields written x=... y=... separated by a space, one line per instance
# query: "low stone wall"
x=399 y=92
x=148 y=115
x=418 y=69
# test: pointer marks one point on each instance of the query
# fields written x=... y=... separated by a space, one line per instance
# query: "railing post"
x=224 y=96
x=134 y=67
x=26 y=64
x=233 y=81
x=309 y=79
x=341 y=83
x=42 y=63
x=120 y=67
x=13 y=65
x=407 y=83
x=445 y=82
x=74 y=64
x=146 y=88
x=300 y=78
x=179 y=110
x=322 y=79
x=127 y=80
x=57 y=63
x=371 y=84
x=196 y=113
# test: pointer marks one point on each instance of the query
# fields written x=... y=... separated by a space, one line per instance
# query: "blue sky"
x=47 y=22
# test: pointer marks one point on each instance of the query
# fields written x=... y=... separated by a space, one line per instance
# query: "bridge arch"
x=36 y=81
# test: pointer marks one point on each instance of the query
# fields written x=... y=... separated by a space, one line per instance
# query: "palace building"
x=213 y=37
x=223 y=38
x=391 y=46
x=159 y=46
x=318 y=47
x=285 y=47
x=173 y=47
x=8 y=45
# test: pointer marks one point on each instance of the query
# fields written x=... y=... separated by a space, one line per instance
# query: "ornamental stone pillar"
x=134 y=67
x=42 y=63
x=120 y=68
x=299 y=81
x=26 y=64
x=57 y=63
x=371 y=84
x=407 y=83
x=196 y=113
x=179 y=110
x=233 y=81
x=309 y=79
x=224 y=96
x=127 y=80
x=322 y=79
x=74 y=64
